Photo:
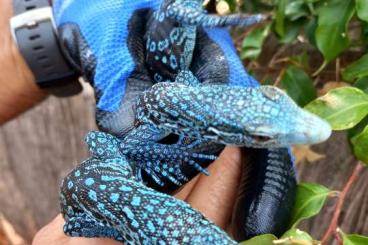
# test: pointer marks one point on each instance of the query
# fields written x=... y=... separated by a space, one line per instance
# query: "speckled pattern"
x=103 y=198
x=170 y=38
x=107 y=195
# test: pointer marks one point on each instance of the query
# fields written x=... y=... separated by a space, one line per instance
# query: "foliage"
x=252 y=44
x=298 y=85
x=353 y=239
x=360 y=145
x=332 y=28
x=343 y=108
x=295 y=237
x=309 y=201
x=356 y=70
x=260 y=240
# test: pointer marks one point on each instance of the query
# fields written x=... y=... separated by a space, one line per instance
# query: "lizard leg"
x=160 y=160
x=82 y=225
x=192 y=13
x=103 y=191
x=103 y=145
x=83 y=210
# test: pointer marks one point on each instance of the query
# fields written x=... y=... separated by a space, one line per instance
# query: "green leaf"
x=356 y=70
x=360 y=145
x=311 y=1
x=331 y=33
x=358 y=128
x=296 y=237
x=362 y=84
x=280 y=17
x=343 y=107
x=298 y=85
x=296 y=9
x=252 y=44
x=309 y=201
x=260 y=240
x=354 y=239
x=364 y=33
x=362 y=9
x=310 y=30
x=301 y=60
x=292 y=30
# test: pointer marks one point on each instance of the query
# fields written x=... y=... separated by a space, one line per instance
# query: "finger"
x=53 y=234
x=214 y=196
x=187 y=189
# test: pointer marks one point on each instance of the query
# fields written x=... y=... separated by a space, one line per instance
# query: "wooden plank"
x=36 y=152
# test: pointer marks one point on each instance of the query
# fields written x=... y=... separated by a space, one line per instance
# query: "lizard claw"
x=162 y=171
x=156 y=178
x=199 y=167
x=165 y=174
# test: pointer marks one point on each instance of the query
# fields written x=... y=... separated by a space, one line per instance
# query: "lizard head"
x=255 y=117
x=265 y=117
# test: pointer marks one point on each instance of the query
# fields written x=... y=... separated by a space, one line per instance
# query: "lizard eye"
x=261 y=138
x=271 y=93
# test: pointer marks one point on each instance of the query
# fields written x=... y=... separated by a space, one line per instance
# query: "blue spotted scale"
x=171 y=92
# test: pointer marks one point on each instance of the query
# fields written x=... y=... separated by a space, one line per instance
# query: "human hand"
x=105 y=43
x=212 y=195
x=18 y=90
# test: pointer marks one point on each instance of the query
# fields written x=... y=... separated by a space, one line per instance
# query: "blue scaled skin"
x=172 y=31
x=107 y=43
x=238 y=116
x=102 y=198
x=204 y=100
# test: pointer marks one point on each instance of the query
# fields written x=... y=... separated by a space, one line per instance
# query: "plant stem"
x=338 y=237
x=279 y=78
x=340 y=202
x=323 y=66
x=337 y=70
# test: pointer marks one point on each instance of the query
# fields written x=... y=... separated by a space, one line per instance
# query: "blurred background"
x=38 y=148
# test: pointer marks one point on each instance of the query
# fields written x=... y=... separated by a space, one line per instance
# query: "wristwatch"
x=35 y=34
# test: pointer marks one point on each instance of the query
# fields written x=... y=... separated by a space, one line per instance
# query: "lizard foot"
x=162 y=160
x=193 y=14
x=102 y=145
x=82 y=225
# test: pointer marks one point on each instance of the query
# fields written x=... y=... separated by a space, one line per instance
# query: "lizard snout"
x=312 y=130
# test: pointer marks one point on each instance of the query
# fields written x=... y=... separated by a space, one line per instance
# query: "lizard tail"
x=266 y=194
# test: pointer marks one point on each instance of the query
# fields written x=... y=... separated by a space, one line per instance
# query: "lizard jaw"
x=307 y=129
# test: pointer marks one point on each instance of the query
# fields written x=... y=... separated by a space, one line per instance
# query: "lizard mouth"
x=215 y=134
x=238 y=138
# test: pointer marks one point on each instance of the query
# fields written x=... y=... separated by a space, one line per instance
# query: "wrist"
x=18 y=90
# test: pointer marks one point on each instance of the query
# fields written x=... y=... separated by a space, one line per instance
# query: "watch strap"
x=21 y=6
x=35 y=34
